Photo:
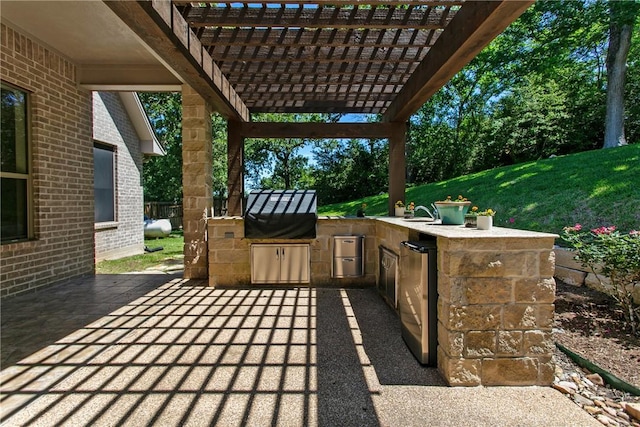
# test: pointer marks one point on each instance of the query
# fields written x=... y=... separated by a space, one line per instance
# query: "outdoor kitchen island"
x=495 y=289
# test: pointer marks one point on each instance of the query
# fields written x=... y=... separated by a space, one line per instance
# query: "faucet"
x=417 y=208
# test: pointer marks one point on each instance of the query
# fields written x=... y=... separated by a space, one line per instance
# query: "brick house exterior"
x=112 y=126
x=61 y=140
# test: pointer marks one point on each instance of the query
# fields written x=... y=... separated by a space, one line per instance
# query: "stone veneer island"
x=496 y=289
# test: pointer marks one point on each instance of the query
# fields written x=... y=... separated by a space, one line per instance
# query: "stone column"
x=197 y=189
x=397 y=165
x=235 y=169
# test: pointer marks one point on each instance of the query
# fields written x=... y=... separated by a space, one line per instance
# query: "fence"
x=165 y=210
x=173 y=212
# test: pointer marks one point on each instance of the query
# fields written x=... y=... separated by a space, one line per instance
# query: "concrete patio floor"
x=160 y=350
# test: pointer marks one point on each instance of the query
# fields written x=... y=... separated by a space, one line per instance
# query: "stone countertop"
x=435 y=228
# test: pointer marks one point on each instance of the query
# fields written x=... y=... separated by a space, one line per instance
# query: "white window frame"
x=114 y=150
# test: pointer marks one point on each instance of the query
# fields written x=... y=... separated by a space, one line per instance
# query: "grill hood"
x=283 y=214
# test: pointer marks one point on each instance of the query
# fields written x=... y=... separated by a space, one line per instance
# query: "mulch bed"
x=591 y=324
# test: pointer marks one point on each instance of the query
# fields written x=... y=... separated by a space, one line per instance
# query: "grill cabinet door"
x=280 y=263
x=265 y=263
x=294 y=264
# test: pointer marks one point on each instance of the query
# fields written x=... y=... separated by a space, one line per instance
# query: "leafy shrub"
x=609 y=253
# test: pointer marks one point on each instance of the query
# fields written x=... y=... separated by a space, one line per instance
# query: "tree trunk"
x=622 y=18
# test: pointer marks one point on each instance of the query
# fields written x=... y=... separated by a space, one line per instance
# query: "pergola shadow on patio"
x=139 y=349
x=162 y=350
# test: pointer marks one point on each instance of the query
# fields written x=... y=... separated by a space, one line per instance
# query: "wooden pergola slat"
x=351 y=56
x=264 y=17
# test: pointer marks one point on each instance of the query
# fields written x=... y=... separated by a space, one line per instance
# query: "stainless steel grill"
x=281 y=214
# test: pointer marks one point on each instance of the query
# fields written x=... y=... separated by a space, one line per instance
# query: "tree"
x=279 y=162
x=623 y=16
x=162 y=175
x=530 y=124
x=632 y=92
x=350 y=169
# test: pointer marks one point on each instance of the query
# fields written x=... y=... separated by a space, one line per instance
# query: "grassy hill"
x=593 y=188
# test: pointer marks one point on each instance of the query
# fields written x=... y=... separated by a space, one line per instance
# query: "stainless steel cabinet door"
x=271 y=263
x=294 y=264
x=265 y=263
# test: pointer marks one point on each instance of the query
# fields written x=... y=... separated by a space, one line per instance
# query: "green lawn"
x=600 y=187
x=172 y=252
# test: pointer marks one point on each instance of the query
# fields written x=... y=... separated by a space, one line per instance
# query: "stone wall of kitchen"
x=495 y=311
x=495 y=302
x=230 y=252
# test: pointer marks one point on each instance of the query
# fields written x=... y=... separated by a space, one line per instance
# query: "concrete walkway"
x=159 y=350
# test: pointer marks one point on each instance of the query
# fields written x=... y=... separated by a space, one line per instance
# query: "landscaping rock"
x=570 y=276
x=633 y=409
x=595 y=379
x=609 y=406
x=565 y=387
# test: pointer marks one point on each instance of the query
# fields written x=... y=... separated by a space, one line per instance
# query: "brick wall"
x=111 y=125
x=62 y=168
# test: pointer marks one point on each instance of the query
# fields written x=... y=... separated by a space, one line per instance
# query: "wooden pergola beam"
x=314 y=18
x=163 y=29
x=351 y=2
x=467 y=34
x=304 y=37
x=316 y=130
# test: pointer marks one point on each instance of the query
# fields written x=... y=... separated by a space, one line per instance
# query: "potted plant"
x=471 y=217
x=485 y=219
x=399 y=211
x=452 y=211
x=409 y=210
x=362 y=211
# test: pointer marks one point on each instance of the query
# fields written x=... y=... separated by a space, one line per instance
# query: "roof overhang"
x=149 y=143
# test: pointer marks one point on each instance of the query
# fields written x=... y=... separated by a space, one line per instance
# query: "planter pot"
x=485 y=222
x=470 y=221
x=400 y=212
x=452 y=213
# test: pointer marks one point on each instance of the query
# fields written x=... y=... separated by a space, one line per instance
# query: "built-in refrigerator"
x=387 y=288
x=418 y=298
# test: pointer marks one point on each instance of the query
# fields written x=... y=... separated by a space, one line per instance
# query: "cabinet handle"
x=278 y=253
x=283 y=253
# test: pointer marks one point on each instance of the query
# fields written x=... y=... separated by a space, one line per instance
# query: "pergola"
x=379 y=57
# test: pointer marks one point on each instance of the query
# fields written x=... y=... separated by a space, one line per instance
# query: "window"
x=15 y=185
x=104 y=182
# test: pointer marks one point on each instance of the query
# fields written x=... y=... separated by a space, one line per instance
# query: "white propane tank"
x=157 y=228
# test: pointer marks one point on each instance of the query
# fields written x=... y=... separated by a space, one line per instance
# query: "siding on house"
x=111 y=125
x=62 y=168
